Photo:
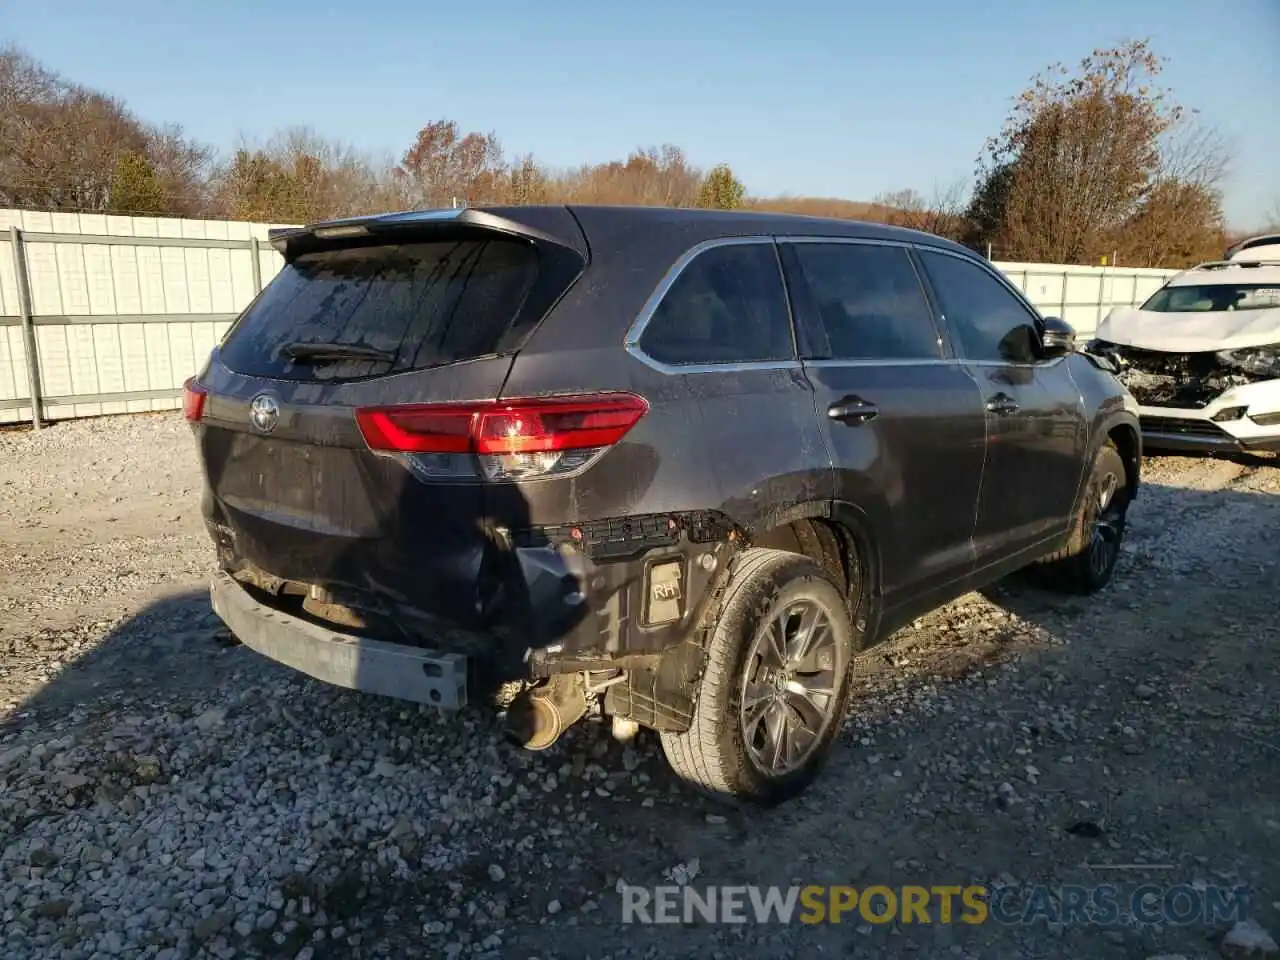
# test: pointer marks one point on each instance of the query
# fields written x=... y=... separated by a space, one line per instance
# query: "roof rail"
x=1225 y=264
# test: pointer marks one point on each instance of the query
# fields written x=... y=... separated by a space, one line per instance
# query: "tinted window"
x=420 y=304
x=727 y=306
x=869 y=300
x=990 y=322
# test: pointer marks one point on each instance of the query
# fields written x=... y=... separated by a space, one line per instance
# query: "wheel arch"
x=838 y=537
x=810 y=529
x=1126 y=435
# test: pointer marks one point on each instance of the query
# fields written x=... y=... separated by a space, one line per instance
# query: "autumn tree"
x=444 y=165
x=61 y=141
x=257 y=187
x=651 y=176
x=1085 y=153
x=527 y=183
x=64 y=145
x=1177 y=224
x=300 y=177
x=721 y=190
x=818 y=207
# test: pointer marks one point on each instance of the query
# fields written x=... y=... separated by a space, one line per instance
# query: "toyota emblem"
x=264 y=412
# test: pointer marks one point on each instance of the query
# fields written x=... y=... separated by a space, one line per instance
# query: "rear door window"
x=869 y=301
x=404 y=306
x=728 y=305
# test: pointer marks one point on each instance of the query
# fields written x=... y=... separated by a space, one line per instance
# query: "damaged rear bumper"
x=604 y=595
x=395 y=670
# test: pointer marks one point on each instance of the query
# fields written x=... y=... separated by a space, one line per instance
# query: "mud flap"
x=660 y=695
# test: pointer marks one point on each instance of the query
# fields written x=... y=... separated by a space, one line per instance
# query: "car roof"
x=698 y=224
x=1229 y=273
x=665 y=231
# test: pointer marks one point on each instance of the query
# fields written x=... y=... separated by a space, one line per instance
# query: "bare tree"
x=1272 y=222
x=1194 y=153
x=64 y=145
x=942 y=214
x=183 y=170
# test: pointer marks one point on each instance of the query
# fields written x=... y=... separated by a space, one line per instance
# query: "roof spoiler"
x=292 y=241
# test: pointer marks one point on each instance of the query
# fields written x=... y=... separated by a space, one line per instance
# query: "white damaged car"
x=1202 y=355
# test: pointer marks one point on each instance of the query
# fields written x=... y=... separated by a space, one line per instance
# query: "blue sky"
x=823 y=97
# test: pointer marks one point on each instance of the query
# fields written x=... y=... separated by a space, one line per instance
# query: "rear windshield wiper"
x=336 y=352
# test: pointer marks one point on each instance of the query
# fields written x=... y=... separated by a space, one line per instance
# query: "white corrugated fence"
x=121 y=310
x=1083 y=295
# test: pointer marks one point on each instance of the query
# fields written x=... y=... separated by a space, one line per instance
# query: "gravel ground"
x=164 y=794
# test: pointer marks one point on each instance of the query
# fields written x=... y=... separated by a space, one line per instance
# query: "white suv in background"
x=1202 y=355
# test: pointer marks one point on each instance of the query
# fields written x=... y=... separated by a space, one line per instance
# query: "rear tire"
x=783 y=646
x=1088 y=562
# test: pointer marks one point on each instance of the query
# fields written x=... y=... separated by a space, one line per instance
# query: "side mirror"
x=1058 y=338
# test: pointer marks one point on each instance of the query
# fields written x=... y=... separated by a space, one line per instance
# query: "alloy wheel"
x=1108 y=524
x=790 y=687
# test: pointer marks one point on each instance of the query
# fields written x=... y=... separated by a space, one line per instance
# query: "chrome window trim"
x=863 y=241
x=873 y=362
x=632 y=340
x=1033 y=365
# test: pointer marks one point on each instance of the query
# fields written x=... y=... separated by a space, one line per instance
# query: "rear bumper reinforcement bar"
x=372 y=666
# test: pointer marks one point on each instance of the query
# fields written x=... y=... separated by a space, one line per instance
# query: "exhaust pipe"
x=537 y=718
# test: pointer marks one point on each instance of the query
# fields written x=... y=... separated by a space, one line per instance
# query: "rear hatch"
x=368 y=314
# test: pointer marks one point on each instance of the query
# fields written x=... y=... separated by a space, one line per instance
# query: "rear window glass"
x=402 y=307
x=1212 y=297
x=728 y=305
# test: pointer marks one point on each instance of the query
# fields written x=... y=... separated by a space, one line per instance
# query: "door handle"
x=852 y=411
x=1002 y=404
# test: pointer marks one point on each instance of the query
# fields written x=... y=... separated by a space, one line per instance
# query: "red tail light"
x=193 y=400
x=417 y=429
x=570 y=423
x=510 y=437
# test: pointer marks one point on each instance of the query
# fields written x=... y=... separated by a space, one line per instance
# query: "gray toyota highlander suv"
x=674 y=468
